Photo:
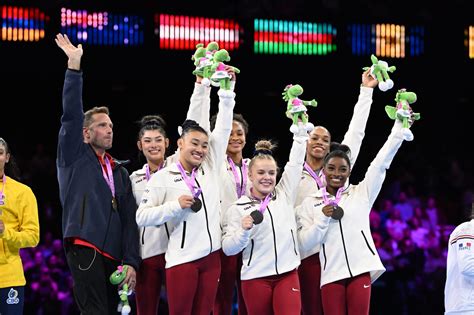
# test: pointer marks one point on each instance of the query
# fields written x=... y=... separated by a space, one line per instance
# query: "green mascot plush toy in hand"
x=379 y=70
x=218 y=69
x=403 y=112
x=203 y=59
x=116 y=278
x=296 y=109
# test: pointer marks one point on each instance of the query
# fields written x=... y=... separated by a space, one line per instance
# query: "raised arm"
x=356 y=131
x=200 y=104
x=220 y=135
x=291 y=176
x=375 y=175
x=70 y=134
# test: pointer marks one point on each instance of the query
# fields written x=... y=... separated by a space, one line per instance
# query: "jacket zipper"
x=83 y=210
x=184 y=234
x=207 y=219
x=143 y=236
x=325 y=257
x=294 y=243
x=167 y=231
x=251 y=252
x=274 y=241
x=366 y=242
x=345 y=250
x=241 y=179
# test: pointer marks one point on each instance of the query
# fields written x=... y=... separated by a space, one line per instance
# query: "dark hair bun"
x=188 y=123
x=336 y=146
x=152 y=120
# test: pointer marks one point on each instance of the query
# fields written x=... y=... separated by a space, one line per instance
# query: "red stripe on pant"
x=279 y=295
x=309 y=273
x=347 y=296
x=229 y=279
x=150 y=278
x=192 y=286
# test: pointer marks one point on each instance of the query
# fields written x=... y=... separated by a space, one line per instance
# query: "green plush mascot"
x=379 y=70
x=218 y=69
x=403 y=112
x=296 y=109
x=116 y=278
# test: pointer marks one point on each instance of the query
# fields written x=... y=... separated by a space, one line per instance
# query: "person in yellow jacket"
x=19 y=228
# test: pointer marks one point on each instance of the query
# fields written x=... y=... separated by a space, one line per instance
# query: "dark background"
x=134 y=81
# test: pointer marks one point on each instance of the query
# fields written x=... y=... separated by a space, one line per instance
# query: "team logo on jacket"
x=318 y=204
x=463 y=246
x=178 y=179
x=13 y=297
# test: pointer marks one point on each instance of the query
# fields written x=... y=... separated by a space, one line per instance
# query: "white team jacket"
x=269 y=248
x=353 y=139
x=154 y=239
x=459 y=288
x=347 y=247
x=193 y=235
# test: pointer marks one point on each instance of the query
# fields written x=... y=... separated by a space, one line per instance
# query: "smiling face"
x=236 y=139
x=153 y=144
x=336 y=170
x=318 y=143
x=99 y=133
x=194 y=146
x=263 y=174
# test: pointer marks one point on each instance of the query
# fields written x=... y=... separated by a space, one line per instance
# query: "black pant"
x=11 y=300
x=93 y=292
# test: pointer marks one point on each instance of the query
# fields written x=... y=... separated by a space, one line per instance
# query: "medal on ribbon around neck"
x=114 y=204
x=189 y=180
x=257 y=215
x=337 y=212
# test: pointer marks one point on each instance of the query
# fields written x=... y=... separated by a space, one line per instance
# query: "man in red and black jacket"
x=99 y=227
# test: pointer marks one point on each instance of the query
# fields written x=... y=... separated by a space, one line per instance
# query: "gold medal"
x=114 y=204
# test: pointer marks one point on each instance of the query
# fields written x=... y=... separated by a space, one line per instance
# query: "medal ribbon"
x=109 y=176
x=148 y=174
x=336 y=200
x=313 y=175
x=189 y=180
x=243 y=186
x=4 y=182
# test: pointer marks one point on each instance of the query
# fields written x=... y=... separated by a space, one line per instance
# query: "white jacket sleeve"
x=312 y=225
x=220 y=135
x=356 y=131
x=234 y=237
x=375 y=175
x=153 y=210
x=465 y=258
x=200 y=105
x=291 y=176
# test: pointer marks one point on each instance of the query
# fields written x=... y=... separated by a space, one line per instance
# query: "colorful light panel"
x=470 y=41
x=386 y=40
x=185 y=32
x=292 y=37
x=22 y=24
x=102 y=28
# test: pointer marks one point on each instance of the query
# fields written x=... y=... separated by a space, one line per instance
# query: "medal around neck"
x=257 y=217
x=337 y=213
x=114 y=204
x=197 y=205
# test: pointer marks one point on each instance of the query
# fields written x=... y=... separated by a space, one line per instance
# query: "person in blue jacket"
x=99 y=227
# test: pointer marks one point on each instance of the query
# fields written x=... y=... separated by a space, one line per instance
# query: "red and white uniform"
x=347 y=247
